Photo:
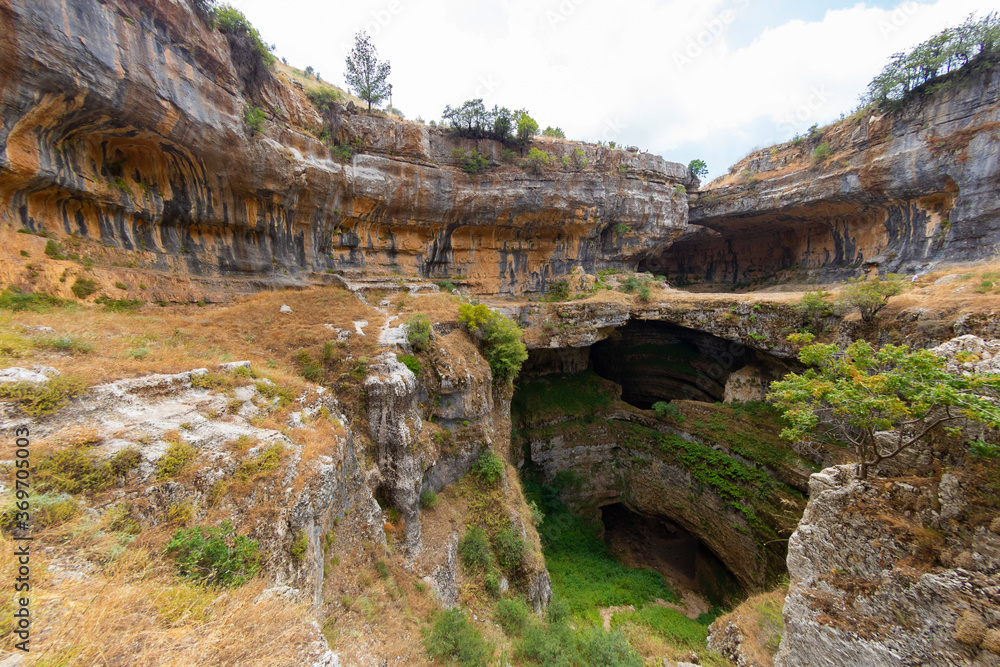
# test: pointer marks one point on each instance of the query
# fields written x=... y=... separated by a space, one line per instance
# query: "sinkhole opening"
x=660 y=544
x=660 y=361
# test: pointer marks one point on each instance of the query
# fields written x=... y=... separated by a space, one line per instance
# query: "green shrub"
x=38 y=399
x=537 y=516
x=492 y=582
x=474 y=550
x=309 y=368
x=410 y=362
x=179 y=456
x=555 y=132
x=643 y=291
x=118 y=305
x=552 y=646
x=454 y=639
x=631 y=284
x=538 y=160
x=53 y=250
x=418 y=333
x=67 y=343
x=610 y=649
x=299 y=546
x=869 y=296
x=215 y=556
x=475 y=163
x=446 y=285
x=502 y=342
x=83 y=287
x=272 y=391
x=121 y=285
x=14 y=299
x=813 y=308
x=266 y=460
x=664 y=410
x=557 y=291
x=428 y=499
x=72 y=471
x=512 y=615
x=323 y=98
x=489 y=467
x=237 y=27
x=509 y=548
x=822 y=151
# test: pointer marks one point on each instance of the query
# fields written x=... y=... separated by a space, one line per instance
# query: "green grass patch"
x=178 y=458
x=264 y=462
x=583 y=394
x=14 y=299
x=670 y=624
x=585 y=574
x=38 y=399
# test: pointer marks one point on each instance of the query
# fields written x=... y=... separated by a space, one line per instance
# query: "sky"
x=686 y=79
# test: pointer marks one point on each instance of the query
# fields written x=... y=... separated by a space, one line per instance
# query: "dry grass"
x=367 y=617
x=179 y=338
x=136 y=614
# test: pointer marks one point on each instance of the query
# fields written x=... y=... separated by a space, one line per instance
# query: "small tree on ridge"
x=366 y=74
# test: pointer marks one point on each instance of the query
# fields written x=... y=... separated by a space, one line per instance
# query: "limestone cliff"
x=125 y=122
x=893 y=191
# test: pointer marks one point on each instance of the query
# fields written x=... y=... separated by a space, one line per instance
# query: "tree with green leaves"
x=526 y=127
x=366 y=75
x=882 y=402
x=501 y=339
x=554 y=132
x=698 y=168
x=869 y=296
x=945 y=52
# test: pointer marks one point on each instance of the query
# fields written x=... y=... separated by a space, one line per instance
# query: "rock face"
x=894 y=191
x=125 y=122
x=868 y=586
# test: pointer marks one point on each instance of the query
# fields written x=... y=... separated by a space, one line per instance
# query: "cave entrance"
x=638 y=540
x=659 y=361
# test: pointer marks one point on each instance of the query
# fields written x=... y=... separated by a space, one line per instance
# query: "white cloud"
x=658 y=73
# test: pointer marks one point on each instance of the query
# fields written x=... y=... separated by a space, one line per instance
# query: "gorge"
x=211 y=322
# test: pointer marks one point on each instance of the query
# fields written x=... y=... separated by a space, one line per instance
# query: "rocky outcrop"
x=126 y=122
x=893 y=191
x=303 y=496
x=883 y=573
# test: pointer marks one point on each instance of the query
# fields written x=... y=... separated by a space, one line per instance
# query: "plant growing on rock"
x=215 y=556
x=418 y=333
x=813 y=308
x=538 y=160
x=869 y=296
x=501 y=339
x=882 y=402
